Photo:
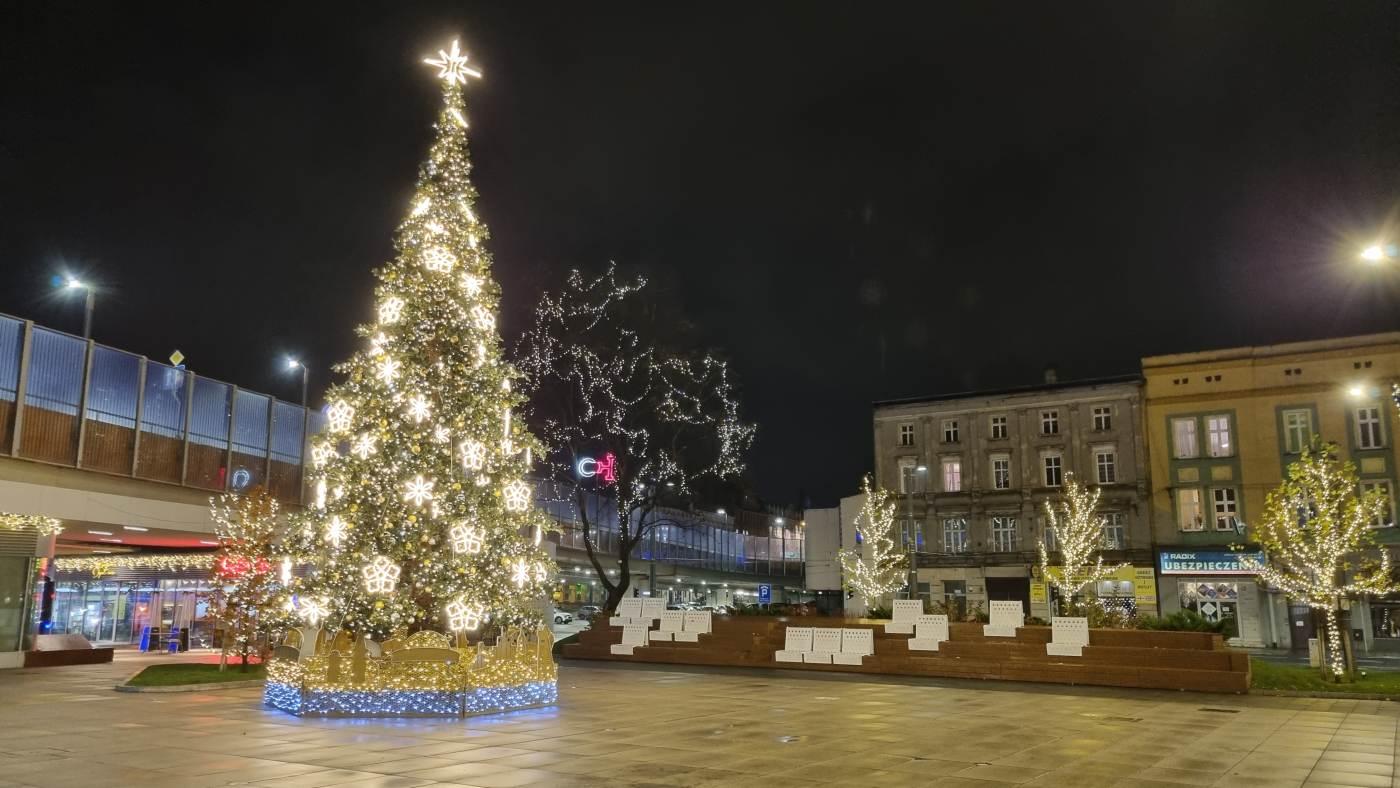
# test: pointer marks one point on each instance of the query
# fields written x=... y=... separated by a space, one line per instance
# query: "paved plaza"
x=627 y=726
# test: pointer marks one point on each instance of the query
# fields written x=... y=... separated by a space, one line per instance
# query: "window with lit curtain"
x=952 y=475
x=1218 y=436
x=1184 y=438
x=1188 y=509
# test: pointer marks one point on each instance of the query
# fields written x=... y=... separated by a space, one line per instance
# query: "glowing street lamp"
x=1379 y=253
x=90 y=302
x=305 y=373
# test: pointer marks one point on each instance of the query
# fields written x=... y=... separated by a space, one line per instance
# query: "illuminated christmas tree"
x=422 y=517
x=245 y=569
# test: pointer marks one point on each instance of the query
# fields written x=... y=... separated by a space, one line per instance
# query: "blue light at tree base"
x=405 y=703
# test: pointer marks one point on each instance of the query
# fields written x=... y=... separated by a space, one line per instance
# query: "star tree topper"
x=452 y=66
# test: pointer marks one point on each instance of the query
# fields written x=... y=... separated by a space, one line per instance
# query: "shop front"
x=121 y=609
x=1220 y=585
x=1130 y=590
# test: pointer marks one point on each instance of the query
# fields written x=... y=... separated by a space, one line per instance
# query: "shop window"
x=1214 y=601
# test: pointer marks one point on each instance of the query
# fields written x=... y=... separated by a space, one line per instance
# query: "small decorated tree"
x=1316 y=534
x=1078 y=531
x=247 y=602
x=879 y=568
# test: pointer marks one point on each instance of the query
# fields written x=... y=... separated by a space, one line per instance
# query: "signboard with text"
x=1209 y=562
x=765 y=594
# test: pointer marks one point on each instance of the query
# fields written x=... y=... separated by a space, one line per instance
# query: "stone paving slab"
x=622 y=726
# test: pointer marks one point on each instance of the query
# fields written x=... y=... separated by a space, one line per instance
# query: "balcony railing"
x=72 y=402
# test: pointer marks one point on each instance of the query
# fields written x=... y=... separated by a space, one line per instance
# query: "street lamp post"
x=89 y=302
x=910 y=540
x=305 y=377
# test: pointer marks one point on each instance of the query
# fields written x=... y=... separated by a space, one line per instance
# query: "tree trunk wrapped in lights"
x=250 y=594
x=1078 y=530
x=879 y=568
x=630 y=415
x=1316 y=534
x=422 y=517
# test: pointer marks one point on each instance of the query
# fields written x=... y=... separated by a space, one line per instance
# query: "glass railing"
x=69 y=401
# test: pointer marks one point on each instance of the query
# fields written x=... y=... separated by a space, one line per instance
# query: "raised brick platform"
x=1115 y=657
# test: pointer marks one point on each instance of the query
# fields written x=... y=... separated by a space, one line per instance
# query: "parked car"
x=563 y=617
x=587 y=612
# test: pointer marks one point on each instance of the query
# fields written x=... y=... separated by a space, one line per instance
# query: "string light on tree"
x=881 y=568
x=1316 y=531
x=426 y=402
x=320 y=493
x=335 y=532
x=1078 y=530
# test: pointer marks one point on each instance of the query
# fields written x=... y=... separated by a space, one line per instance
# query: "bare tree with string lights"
x=626 y=414
x=1316 y=530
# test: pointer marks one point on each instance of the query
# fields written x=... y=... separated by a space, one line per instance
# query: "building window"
x=1054 y=473
x=1049 y=422
x=1001 y=472
x=1297 y=430
x=1218 y=436
x=1103 y=418
x=1227 y=510
x=952 y=474
x=1184 y=438
x=998 y=427
x=906 y=435
x=1368 y=428
x=950 y=430
x=955 y=534
x=909 y=481
x=1003 y=534
x=911 y=534
x=1106 y=462
x=1188 y=510
x=1387 y=516
x=1115 y=531
x=1052 y=542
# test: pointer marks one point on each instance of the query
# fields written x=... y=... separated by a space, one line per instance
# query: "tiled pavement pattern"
x=629 y=726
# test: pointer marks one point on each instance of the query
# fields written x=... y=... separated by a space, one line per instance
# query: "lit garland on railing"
x=165 y=562
x=518 y=672
x=48 y=526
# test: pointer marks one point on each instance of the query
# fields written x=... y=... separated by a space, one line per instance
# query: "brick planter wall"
x=1115 y=657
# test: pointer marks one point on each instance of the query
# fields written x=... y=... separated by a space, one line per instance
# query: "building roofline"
x=1268 y=351
x=1059 y=386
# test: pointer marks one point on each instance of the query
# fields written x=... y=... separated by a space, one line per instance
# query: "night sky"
x=853 y=201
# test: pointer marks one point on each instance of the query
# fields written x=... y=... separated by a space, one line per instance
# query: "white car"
x=560 y=617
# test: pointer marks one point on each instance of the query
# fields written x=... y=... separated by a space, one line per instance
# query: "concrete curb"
x=217 y=685
x=1336 y=695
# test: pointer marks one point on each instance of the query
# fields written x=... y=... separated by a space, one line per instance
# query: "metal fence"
x=72 y=402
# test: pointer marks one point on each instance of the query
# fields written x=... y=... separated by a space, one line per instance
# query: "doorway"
x=1006 y=589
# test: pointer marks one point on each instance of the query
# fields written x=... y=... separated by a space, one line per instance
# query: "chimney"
x=1051 y=376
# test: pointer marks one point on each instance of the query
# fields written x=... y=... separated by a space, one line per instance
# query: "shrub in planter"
x=1188 y=621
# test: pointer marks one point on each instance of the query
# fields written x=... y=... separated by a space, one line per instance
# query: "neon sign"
x=605 y=469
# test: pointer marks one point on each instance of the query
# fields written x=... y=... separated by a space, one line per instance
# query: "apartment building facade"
x=973 y=471
x=1222 y=427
